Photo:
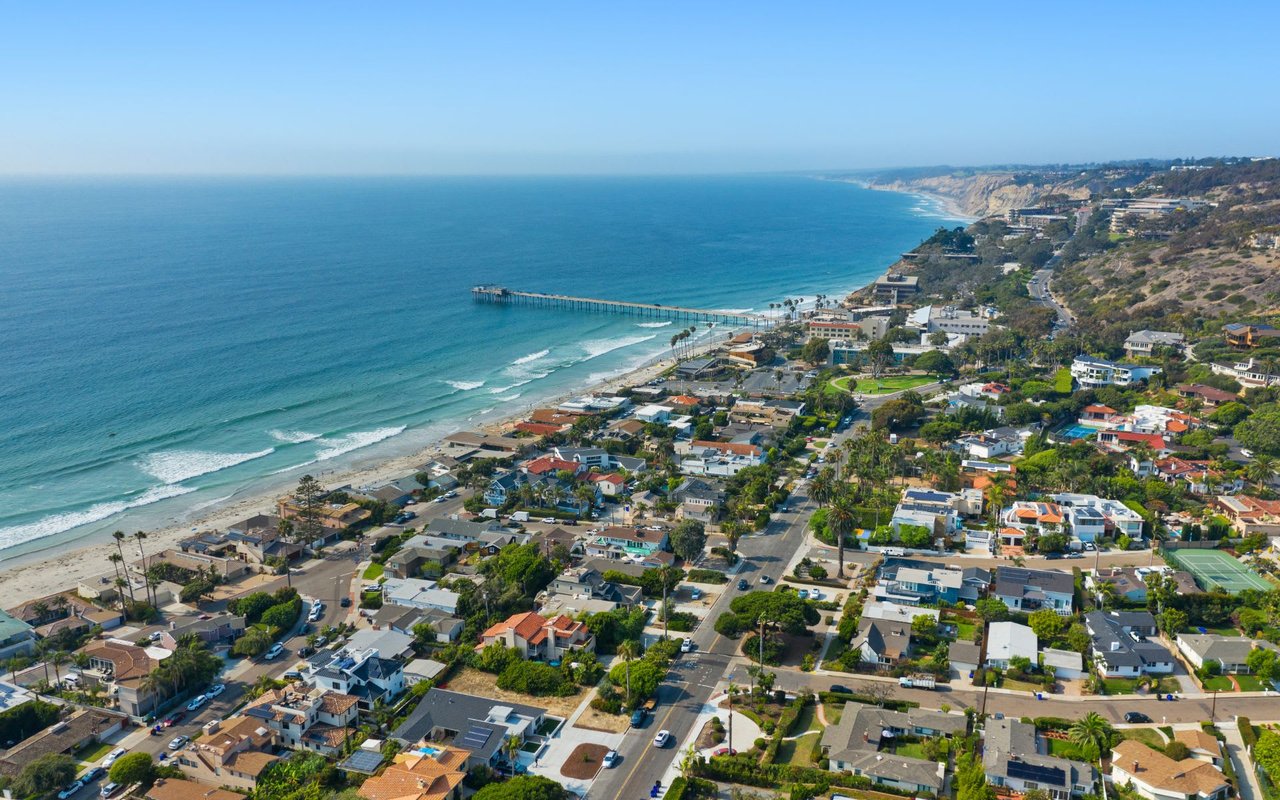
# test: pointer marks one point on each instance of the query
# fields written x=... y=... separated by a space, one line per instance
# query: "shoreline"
x=949 y=205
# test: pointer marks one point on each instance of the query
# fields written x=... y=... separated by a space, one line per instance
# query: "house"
x=544 y=465
x=895 y=287
x=179 y=789
x=126 y=665
x=403 y=619
x=1248 y=374
x=539 y=638
x=460 y=530
x=1201 y=745
x=1066 y=664
x=1012 y=760
x=1155 y=776
x=932 y=509
x=617 y=541
x=899 y=772
x=71 y=734
x=422 y=773
x=914 y=583
x=332 y=515
x=1008 y=639
x=1030 y=590
x=585 y=582
x=362 y=674
x=1240 y=334
x=466 y=445
x=422 y=669
x=1025 y=517
x=1231 y=652
x=1095 y=373
x=1121 y=647
x=407 y=562
x=1096 y=416
x=1250 y=514
x=1199 y=476
x=965 y=657
x=882 y=642
x=253 y=540
x=1209 y=396
x=305 y=717
x=986 y=446
x=893 y=612
x=217 y=629
x=586 y=456
x=1144 y=342
x=1092 y=517
x=47 y=616
x=699 y=500
x=390 y=644
x=233 y=752
x=419 y=593
x=610 y=484
x=853 y=745
x=547 y=490
x=1120 y=441
x=479 y=724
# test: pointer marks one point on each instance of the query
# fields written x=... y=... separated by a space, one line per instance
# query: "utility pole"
x=1213 y=711
x=664 y=604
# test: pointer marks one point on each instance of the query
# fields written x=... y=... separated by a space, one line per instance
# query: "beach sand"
x=43 y=573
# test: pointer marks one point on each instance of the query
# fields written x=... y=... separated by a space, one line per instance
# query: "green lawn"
x=965 y=631
x=1064 y=749
x=372 y=572
x=1219 y=683
x=832 y=709
x=1250 y=683
x=796 y=751
x=1021 y=686
x=808 y=720
x=910 y=750
x=92 y=754
x=886 y=385
x=1062 y=381
x=1130 y=685
x=1148 y=736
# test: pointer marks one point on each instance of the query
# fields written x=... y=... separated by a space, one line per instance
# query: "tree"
x=307 y=499
x=840 y=521
x=971 y=779
x=937 y=362
x=627 y=651
x=1263 y=664
x=132 y=768
x=523 y=787
x=816 y=351
x=45 y=775
x=688 y=539
x=1261 y=431
x=991 y=609
x=1093 y=735
x=254 y=642
x=1173 y=621
x=1047 y=624
x=195 y=590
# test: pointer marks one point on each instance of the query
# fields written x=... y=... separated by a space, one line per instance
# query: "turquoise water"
x=174 y=344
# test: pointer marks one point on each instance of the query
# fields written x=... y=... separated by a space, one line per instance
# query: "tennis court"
x=1215 y=568
x=1074 y=432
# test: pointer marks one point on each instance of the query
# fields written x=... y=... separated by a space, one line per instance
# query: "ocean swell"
x=58 y=523
x=175 y=466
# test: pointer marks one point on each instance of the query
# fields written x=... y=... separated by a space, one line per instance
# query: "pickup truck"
x=917 y=682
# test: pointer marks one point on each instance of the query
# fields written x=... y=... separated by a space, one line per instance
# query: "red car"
x=724 y=751
x=174 y=718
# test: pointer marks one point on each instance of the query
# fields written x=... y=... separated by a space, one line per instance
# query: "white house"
x=1095 y=373
x=419 y=593
x=1009 y=639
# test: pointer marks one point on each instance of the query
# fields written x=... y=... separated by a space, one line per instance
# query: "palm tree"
x=822 y=486
x=627 y=651
x=687 y=761
x=1092 y=731
x=139 y=536
x=1262 y=470
x=511 y=749
x=840 y=519
x=732 y=692
x=153 y=684
x=119 y=537
x=57 y=658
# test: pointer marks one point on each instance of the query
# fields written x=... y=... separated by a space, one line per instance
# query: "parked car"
x=197 y=701
x=766 y=580
x=292 y=675
x=662 y=739
x=835 y=687
x=216 y=689
x=686 y=646
x=742 y=584
x=321 y=641
x=695 y=594
x=814 y=594
x=109 y=789
x=345 y=602
x=92 y=775
x=638 y=717
x=803 y=594
x=274 y=652
x=1135 y=717
x=70 y=790
x=549 y=520
x=611 y=759
x=179 y=742
x=112 y=756
x=306 y=650
x=174 y=718
x=724 y=751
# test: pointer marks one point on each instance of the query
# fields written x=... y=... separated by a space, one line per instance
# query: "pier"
x=501 y=294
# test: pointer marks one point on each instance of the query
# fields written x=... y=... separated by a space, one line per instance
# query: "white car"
x=198 y=701
x=113 y=756
x=610 y=759
x=274 y=652
x=109 y=789
x=179 y=742
x=1246 y=453
x=687 y=645
x=70 y=790
x=814 y=594
x=216 y=689
x=662 y=739
x=549 y=520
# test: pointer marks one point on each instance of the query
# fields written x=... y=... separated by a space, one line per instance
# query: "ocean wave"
x=532 y=357
x=598 y=347
x=464 y=386
x=292 y=437
x=59 y=523
x=354 y=441
x=512 y=396
x=653 y=324
x=175 y=466
x=516 y=385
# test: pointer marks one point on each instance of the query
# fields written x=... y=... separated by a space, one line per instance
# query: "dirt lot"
x=473 y=681
x=593 y=720
x=584 y=762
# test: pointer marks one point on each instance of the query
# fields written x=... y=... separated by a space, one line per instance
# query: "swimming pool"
x=1073 y=432
x=427 y=750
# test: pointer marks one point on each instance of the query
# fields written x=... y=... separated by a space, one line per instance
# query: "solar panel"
x=476 y=737
x=1053 y=776
x=366 y=761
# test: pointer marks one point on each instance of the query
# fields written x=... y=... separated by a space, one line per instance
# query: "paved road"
x=1041 y=291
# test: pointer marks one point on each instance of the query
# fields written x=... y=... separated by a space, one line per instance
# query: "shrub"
x=534 y=678
x=707 y=576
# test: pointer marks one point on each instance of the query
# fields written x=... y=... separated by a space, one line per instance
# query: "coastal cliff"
x=981 y=194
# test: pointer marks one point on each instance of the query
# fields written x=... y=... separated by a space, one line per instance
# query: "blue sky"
x=389 y=87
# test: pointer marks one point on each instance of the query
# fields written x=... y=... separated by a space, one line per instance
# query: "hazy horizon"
x=151 y=89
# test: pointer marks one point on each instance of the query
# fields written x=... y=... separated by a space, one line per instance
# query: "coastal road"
x=1040 y=290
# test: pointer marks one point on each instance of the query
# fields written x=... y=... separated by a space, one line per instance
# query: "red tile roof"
x=545 y=464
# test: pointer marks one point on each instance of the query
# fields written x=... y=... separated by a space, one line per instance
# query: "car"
x=92 y=775
x=197 y=701
x=1052 y=556
x=410 y=515
x=451 y=493
x=292 y=675
x=321 y=641
x=274 y=652
x=440 y=499
x=766 y=580
x=372 y=587
x=1246 y=453
x=835 y=687
x=686 y=646
x=112 y=756
x=742 y=584
x=1135 y=717
x=638 y=717
x=204 y=616
x=306 y=650
x=109 y=789
x=549 y=520
x=216 y=689
x=179 y=742
x=662 y=739
x=1075 y=555
x=345 y=602
x=724 y=751
x=695 y=594
x=174 y=718
x=611 y=759
x=155 y=637
x=70 y=790
x=1090 y=546
x=803 y=594
x=814 y=594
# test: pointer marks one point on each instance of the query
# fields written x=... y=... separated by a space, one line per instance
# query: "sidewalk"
x=1241 y=761
x=745 y=732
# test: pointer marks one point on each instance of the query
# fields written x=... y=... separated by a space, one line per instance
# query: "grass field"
x=1250 y=683
x=1148 y=736
x=1130 y=685
x=373 y=572
x=910 y=750
x=1215 y=568
x=1219 y=683
x=1062 y=381
x=886 y=385
x=796 y=751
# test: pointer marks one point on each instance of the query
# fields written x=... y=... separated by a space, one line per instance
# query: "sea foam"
x=175 y=466
x=598 y=347
x=293 y=437
x=58 y=523
x=532 y=357
x=354 y=441
x=653 y=324
x=465 y=386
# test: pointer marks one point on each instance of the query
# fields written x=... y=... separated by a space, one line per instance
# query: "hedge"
x=892 y=705
x=1246 y=733
x=706 y=576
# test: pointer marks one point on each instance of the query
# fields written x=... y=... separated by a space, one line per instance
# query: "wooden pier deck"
x=501 y=294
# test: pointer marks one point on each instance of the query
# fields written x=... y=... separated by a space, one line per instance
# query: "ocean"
x=172 y=344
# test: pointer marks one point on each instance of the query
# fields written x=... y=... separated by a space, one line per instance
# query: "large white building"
x=1095 y=373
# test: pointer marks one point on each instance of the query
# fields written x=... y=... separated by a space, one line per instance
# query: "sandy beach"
x=45 y=572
